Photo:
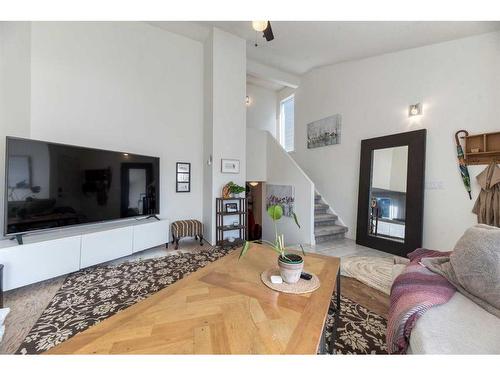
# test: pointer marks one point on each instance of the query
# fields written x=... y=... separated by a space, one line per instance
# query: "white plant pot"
x=290 y=271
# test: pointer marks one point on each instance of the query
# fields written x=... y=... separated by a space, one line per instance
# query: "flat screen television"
x=50 y=185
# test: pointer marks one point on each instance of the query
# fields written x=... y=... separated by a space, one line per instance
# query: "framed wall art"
x=324 y=132
x=183 y=177
x=230 y=166
x=283 y=195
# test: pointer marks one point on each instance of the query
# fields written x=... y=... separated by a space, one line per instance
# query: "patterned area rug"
x=360 y=331
x=96 y=293
x=376 y=272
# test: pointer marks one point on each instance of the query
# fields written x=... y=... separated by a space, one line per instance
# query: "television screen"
x=50 y=185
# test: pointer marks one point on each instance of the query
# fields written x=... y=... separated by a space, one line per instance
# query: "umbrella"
x=461 y=162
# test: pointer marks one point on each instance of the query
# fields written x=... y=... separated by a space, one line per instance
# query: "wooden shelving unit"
x=487 y=146
x=221 y=227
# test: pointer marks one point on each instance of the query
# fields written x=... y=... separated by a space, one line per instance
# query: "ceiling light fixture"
x=254 y=183
x=259 y=25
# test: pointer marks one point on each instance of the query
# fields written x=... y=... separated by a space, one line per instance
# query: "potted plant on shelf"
x=232 y=190
x=290 y=265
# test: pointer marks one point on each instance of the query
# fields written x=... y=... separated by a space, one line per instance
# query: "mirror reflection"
x=387 y=211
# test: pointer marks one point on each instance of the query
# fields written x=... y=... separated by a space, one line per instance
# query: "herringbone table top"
x=223 y=308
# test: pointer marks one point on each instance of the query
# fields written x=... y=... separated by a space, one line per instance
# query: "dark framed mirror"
x=391 y=192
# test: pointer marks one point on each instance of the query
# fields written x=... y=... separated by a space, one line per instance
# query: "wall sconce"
x=247 y=101
x=415 y=110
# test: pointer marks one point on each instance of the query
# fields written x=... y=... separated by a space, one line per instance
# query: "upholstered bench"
x=186 y=228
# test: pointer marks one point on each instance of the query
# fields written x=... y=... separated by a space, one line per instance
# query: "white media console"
x=47 y=255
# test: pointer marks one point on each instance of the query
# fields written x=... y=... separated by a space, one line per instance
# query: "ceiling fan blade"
x=268 y=32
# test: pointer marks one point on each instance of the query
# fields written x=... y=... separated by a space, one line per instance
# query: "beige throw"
x=474 y=266
x=487 y=206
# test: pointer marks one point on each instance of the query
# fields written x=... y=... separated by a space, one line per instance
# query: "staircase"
x=326 y=227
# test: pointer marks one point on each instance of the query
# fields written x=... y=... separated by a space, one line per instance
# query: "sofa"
x=458 y=327
x=469 y=321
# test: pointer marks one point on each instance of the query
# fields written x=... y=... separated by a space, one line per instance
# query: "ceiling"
x=262 y=82
x=300 y=46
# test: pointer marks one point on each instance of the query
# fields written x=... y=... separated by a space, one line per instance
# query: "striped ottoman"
x=186 y=228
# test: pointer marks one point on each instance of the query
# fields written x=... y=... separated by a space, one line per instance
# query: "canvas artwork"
x=282 y=195
x=324 y=132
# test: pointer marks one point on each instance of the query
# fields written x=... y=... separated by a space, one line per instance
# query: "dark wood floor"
x=370 y=298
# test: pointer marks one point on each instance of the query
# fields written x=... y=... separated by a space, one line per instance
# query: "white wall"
x=15 y=88
x=283 y=170
x=256 y=154
x=458 y=83
x=225 y=117
x=262 y=110
x=124 y=86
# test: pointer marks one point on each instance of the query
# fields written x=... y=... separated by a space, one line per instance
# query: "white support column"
x=224 y=117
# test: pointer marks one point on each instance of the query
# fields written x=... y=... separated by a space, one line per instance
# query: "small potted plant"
x=235 y=189
x=232 y=190
x=290 y=265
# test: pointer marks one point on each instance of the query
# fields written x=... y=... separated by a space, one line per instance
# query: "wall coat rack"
x=482 y=148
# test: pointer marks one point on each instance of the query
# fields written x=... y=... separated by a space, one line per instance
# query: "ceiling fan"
x=265 y=28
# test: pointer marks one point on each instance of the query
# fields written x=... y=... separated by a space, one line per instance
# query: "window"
x=287 y=123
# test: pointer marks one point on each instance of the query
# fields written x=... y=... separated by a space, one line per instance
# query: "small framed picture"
x=231 y=207
x=183 y=167
x=183 y=187
x=183 y=178
x=230 y=166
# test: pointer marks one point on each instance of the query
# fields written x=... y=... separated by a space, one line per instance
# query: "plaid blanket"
x=413 y=292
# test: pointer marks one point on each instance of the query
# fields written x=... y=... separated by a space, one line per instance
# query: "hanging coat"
x=487 y=207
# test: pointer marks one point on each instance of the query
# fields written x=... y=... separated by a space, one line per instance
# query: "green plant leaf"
x=244 y=250
x=295 y=218
x=275 y=249
x=236 y=189
x=275 y=212
x=302 y=248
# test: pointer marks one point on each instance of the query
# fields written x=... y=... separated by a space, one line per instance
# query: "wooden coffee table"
x=223 y=308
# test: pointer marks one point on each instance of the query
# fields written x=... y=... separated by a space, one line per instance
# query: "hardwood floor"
x=370 y=298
